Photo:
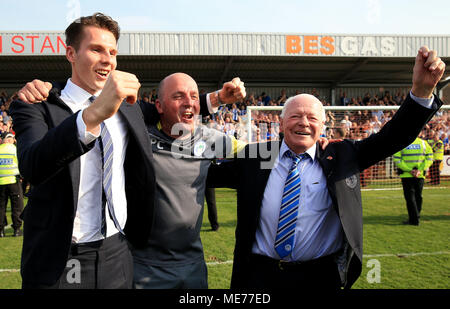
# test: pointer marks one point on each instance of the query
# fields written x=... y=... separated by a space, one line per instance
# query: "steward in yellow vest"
x=9 y=168
x=417 y=156
x=438 y=155
x=413 y=161
x=10 y=186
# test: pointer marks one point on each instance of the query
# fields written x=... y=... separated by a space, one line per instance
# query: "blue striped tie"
x=284 y=241
x=106 y=151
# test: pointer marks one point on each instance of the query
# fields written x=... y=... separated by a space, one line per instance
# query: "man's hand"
x=35 y=91
x=415 y=172
x=323 y=142
x=427 y=72
x=119 y=86
x=231 y=92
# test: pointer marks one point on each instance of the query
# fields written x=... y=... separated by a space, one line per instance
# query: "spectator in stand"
x=346 y=122
x=339 y=133
x=376 y=124
x=265 y=98
x=343 y=99
x=282 y=98
x=146 y=100
x=154 y=96
x=378 y=113
x=251 y=99
x=3 y=98
x=235 y=112
x=229 y=126
x=259 y=101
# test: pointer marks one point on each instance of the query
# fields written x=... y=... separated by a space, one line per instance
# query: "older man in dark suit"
x=299 y=208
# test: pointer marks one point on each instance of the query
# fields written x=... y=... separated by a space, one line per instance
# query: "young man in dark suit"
x=75 y=223
x=299 y=208
x=88 y=156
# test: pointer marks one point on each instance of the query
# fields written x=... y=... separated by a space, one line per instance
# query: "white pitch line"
x=398 y=188
x=364 y=256
x=9 y=270
x=219 y=263
x=405 y=254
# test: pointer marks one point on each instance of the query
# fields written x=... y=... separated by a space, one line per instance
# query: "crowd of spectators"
x=232 y=119
x=5 y=119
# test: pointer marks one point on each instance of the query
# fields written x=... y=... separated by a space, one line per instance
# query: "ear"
x=71 y=54
x=281 y=125
x=158 y=106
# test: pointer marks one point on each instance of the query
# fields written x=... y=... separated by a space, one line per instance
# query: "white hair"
x=302 y=96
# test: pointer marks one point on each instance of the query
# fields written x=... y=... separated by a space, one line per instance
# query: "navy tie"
x=106 y=151
x=284 y=240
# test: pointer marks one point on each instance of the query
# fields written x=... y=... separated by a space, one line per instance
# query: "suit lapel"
x=135 y=121
x=327 y=160
x=261 y=175
x=57 y=115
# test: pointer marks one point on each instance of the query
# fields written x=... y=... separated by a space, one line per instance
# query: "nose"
x=303 y=121
x=107 y=58
x=189 y=101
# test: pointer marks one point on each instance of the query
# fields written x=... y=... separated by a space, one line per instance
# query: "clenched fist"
x=119 y=86
x=232 y=91
x=35 y=91
x=427 y=72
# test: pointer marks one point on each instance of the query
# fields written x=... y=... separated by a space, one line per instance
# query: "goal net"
x=261 y=124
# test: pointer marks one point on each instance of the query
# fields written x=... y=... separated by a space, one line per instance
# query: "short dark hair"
x=75 y=30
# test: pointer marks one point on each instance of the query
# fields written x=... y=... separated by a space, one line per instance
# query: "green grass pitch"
x=407 y=257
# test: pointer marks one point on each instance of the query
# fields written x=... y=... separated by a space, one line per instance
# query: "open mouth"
x=103 y=74
x=302 y=133
x=187 y=116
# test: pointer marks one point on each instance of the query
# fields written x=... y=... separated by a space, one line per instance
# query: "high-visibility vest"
x=9 y=167
x=417 y=155
x=438 y=149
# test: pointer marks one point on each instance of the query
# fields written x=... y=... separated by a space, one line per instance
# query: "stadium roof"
x=326 y=59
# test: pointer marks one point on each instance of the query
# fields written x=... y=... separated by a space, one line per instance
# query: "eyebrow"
x=97 y=45
x=182 y=93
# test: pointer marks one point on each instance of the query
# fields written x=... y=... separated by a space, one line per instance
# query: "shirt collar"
x=311 y=151
x=77 y=94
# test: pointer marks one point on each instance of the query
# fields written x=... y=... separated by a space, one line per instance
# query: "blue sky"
x=282 y=16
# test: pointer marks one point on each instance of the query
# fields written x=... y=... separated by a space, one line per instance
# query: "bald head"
x=302 y=120
x=178 y=103
x=179 y=76
x=303 y=98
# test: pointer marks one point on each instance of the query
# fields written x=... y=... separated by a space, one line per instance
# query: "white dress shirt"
x=87 y=223
x=318 y=231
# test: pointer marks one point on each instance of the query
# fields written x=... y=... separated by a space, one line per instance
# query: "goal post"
x=355 y=122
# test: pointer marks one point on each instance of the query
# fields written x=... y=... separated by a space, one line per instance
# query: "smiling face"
x=178 y=103
x=302 y=122
x=94 y=59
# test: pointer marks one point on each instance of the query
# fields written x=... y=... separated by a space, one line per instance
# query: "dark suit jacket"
x=48 y=151
x=341 y=162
